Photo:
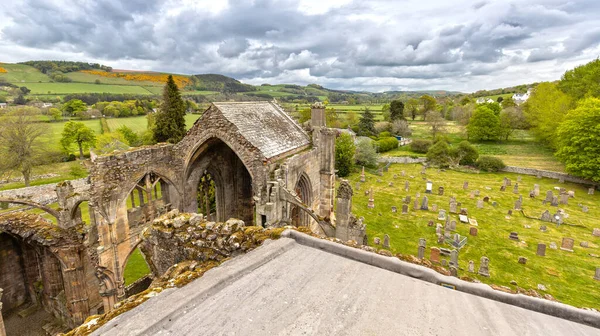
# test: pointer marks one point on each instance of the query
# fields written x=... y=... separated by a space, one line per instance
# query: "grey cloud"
x=233 y=47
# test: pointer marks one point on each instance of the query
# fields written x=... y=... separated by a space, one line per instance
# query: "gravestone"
x=476 y=193
x=516 y=188
x=376 y=241
x=442 y=215
x=503 y=188
x=357 y=186
x=584 y=244
x=508 y=182
x=484 y=269
x=549 y=196
x=554 y=201
x=571 y=193
x=371 y=204
x=403 y=173
x=452 y=225
x=453 y=207
x=513 y=236
x=416 y=204
x=418 y=195
x=473 y=231
x=522 y=260
x=441 y=191
x=466 y=185
x=390 y=184
x=404 y=209
x=532 y=194
x=454 y=258
x=536 y=190
x=464 y=211
x=518 y=204
x=543 y=228
x=519 y=178
x=435 y=255
x=567 y=244
x=422 y=245
x=407 y=199
x=473 y=221
x=438 y=229
x=585 y=209
x=430 y=223
x=472 y=195
x=463 y=218
x=434 y=208
x=486 y=199
x=564 y=199
x=386 y=241
x=509 y=212
x=362 y=175
x=546 y=216
x=394 y=209
x=444 y=262
x=541 y=250
x=591 y=190
x=425 y=204
x=428 y=187
x=479 y=204
x=596 y=232
x=395 y=176
x=494 y=204
x=366 y=193
x=471 y=266
x=406 y=186
x=597 y=275
x=553 y=246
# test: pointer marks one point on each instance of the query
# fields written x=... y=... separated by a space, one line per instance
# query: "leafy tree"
x=56 y=114
x=401 y=127
x=508 y=102
x=465 y=101
x=305 y=115
x=436 y=122
x=74 y=107
x=396 y=110
x=483 y=124
x=351 y=118
x=420 y=145
x=24 y=90
x=412 y=107
x=365 y=154
x=583 y=81
x=20 y=100
x=495 y=107
x=385 y=111
x=439 y=154
x=366 y=125
x=500 y=99
x=21 y=141
x=465 y=153
x=170 y=120
x=510 y=119
x=332 y=118
x=110 y=142
x=344 y=154
x=429 y=104
x=579 y=140
x=130 y=136
x=545 y=110
x=385 y=144
x=78 y=133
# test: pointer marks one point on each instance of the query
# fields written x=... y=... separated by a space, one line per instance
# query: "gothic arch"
x=304 y=191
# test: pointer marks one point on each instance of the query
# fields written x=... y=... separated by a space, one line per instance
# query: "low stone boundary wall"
x=44 y=194
x=548 y=174
x=401 y=159
x=396 y=265
x=138 y=286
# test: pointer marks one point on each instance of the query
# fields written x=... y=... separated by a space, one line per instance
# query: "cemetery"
x=515 y=232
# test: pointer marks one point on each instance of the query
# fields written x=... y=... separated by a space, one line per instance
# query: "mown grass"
x=568 y=276
x=140 y=123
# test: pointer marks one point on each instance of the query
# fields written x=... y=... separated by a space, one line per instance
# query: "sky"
x=377 y=45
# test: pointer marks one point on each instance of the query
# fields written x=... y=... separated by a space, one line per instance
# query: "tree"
x=545 y=110
x=20 y=100
x=412 y=106
x=170 y=120
x=110 y=142
x=304 y=115
x=365 y=154
x=465 y=100
x=396 y=110
x=24 y=90
x=366 y=124
x=401 y=127
x=56 y=114
x=78 y=133
x=500 y=99
x=385 y=111
x=464 y=153
x=510 y=119
x=439 y=154
x=583 y=81
x=579 y=140
x=483 y=124
x=74 y=107
x=351 y=118
x=344 y=154
x=21 y=141
x=508 y=102
x=429 y=104
x=436 y=122
x=130 y=136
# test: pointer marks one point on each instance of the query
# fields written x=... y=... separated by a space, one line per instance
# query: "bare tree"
x=21 y=141
x=436 y=122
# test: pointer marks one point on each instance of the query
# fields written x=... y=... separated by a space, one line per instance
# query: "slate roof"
x=266 y=126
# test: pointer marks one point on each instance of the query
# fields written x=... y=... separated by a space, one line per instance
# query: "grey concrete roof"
x=285 y=288
x=266 y=126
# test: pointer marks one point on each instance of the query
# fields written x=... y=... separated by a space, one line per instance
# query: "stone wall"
x=401 y=159
x=44 y=194
x=548 y=174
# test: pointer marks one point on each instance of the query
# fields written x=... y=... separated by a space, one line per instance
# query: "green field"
x=20 y=73
x=140 y=124
x=83 y=77
x=65 y=88
x=135 y=268
x=568 y=276
x=55 y=131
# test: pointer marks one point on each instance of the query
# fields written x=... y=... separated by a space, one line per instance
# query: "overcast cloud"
x=363 y=45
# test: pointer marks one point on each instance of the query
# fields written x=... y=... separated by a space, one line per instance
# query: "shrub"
x=387 y=144
x=383 y=126
x=365 y=153
x=420 y=145
x=439 y=154
x=490 y=163
x=466 y=153
x=385 y=134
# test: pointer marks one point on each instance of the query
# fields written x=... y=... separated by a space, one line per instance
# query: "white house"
x=3 y=105
x=482 y=100
x=520 y=98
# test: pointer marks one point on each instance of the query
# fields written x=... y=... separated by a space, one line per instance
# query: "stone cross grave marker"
x=567 y=244
x=484 y=269
x=362 y=175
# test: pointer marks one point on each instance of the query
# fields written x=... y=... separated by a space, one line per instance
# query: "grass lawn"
x=135 y=268
x=64 y=88
x=21 y=73
x=65 y=170
x=55 y=131
x=568 y=276
x=137 y=124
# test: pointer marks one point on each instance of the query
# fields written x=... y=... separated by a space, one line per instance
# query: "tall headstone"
x=536 y=190
x=406 y=186
x=567 y=244
x=422 y=245
x=416 y=205
x=591 y=190
x=453 y=207
x=466 y=185
x=479 y=204
x=428 y=187
x=441 y=191
x=554 y=201
x=484 y=267
x=425 y=203
x=518 y=204
x=438 y=229
x=362 y=175
x=371 y=204
x=404 y=209
x=454 y=258
x=541 y=250
x=564 y=199
x=516 y=188
x=549 y=196
x=596 y=276
x=435 y=255
x=386 y=241
x=471 y=266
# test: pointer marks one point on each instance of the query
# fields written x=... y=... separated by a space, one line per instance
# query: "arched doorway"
x=218 y=178
x=304 y=191
x=148 y=199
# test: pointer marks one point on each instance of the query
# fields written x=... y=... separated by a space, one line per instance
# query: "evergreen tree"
x=396 y=110
x=170 y=120
x=366 y=125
